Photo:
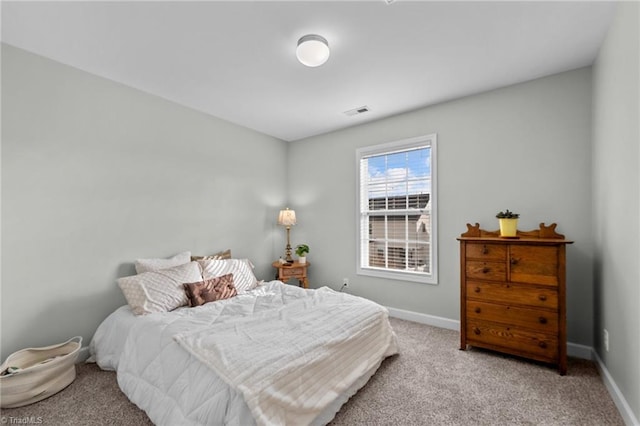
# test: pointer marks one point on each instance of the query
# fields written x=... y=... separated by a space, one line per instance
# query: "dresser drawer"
x=511 y=339
x=486 y=251
x=496 y=271
x=513 y=294
x=535 y=319
x=534 y=264
x=292 y=272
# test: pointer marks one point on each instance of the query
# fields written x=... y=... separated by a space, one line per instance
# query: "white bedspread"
x=293 y=359
x=175 y=388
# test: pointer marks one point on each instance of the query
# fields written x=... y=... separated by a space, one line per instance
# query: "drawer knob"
x=543 y=345
x=542 y=320
x=477 y=290
x=485 y=250
x=485 y=270
x=478 y=310
x=514 y=261
x=542 y=297
x=476 y=330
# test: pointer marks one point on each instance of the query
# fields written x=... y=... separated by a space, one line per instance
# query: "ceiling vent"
x=357 y=111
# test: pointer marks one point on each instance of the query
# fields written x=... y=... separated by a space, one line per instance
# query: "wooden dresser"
x=512 y=293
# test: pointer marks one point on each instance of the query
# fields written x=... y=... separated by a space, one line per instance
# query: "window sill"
x=400 y=276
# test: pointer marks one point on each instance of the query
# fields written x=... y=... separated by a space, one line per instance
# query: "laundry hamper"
x=33 y=374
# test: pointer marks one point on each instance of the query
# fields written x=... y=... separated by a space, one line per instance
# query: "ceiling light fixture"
x=313 y=50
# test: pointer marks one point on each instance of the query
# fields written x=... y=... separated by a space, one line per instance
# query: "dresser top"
x=544 y=235
x=499 y=240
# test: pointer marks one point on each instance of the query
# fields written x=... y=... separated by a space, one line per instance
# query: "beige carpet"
x=431 y=382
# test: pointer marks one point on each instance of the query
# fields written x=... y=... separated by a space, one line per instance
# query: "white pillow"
x=243 y=277
x=146 y=265
x=159 y=291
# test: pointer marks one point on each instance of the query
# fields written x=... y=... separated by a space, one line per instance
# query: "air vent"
x=357 y=111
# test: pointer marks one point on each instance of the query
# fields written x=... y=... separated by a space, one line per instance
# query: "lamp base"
x=288 y=256
x=287 y=251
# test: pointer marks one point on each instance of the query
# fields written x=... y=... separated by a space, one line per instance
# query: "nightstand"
x=294 y=270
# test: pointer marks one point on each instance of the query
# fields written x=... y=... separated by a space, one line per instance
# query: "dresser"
x=512 y=293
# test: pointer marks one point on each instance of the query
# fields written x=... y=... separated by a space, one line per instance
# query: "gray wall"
x=525 y=147
x=616 y=183
x=96 y=174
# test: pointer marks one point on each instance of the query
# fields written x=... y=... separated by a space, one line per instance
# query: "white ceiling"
x=236 y=60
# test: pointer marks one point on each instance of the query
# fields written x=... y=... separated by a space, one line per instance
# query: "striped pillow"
x=243 y=277
x=210 y=290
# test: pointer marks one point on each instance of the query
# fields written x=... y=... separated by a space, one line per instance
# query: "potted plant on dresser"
x=508 y=223
x=301 y=251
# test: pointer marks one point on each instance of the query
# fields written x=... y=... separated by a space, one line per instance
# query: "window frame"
x=430 y=141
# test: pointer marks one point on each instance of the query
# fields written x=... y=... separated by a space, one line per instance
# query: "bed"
x=274 y=354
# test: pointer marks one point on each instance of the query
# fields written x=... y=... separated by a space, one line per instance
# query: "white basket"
x=42 y=373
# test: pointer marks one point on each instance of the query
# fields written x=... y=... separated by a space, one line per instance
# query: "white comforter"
x=178 y=386
x=292 y=360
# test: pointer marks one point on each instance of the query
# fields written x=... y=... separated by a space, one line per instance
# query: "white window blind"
x=396 y=219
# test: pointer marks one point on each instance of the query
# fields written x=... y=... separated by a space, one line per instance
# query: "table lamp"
x=287 y=218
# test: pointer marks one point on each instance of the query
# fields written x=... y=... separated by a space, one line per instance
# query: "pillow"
x=146 y=265
x=220 y=255
x=159 y=291
x=210 y=290
x=243 y=277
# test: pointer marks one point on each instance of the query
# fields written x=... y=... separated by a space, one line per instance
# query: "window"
x=396 y=210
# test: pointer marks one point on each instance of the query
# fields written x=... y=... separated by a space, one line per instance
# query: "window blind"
x=395 y=215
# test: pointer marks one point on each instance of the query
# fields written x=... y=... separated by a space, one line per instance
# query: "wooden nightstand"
x=293 y=270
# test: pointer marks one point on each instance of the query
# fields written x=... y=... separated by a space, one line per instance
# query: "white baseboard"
x=577 y=350
x=573 y=349
x=618 y=398
x=425 y=319
x=83 y=354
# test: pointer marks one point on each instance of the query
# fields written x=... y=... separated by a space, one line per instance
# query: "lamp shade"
x=287 y=217
x=313 y=50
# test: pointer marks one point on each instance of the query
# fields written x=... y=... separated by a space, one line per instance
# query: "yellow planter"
x=508 y=227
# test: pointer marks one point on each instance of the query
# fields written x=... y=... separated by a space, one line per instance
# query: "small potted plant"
x=508 y=223
x=301 y=251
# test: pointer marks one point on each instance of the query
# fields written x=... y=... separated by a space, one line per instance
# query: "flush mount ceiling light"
x=313 y=50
